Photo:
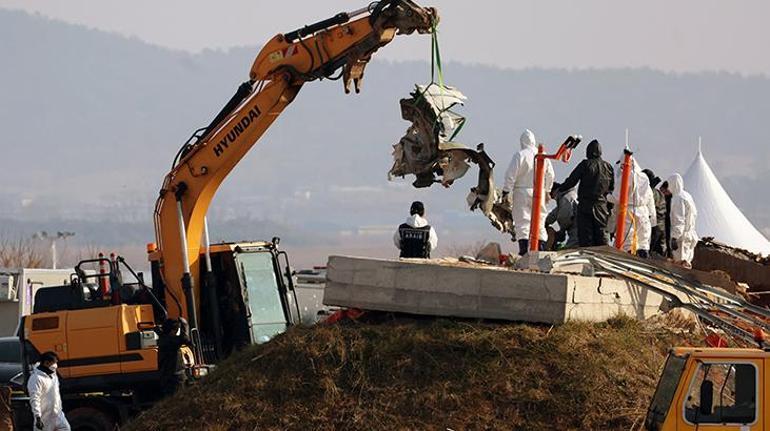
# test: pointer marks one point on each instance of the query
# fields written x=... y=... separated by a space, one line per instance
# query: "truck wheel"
x=90 y=419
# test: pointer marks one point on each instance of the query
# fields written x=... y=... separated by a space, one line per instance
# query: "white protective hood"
x=718 y=216
x=676 y=184
x=638 y=188
x=527 y=140
x=415 y=220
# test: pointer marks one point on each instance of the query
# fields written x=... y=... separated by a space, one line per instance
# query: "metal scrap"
x=427 y=150
x=713 y=305
x=490 y=202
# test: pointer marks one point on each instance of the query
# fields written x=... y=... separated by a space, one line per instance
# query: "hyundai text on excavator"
x=104 y=330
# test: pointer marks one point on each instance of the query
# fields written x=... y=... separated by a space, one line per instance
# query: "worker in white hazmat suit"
x=640 y=212
x=519 y=183
x=683 y=216
x=44 y=396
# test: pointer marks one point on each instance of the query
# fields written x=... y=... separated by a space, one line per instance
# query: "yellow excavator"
x=104 y=330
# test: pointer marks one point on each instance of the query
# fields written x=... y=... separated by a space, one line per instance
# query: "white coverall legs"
x=56 y=423
x=521 y=212
x=638 y=229
x=686 y=251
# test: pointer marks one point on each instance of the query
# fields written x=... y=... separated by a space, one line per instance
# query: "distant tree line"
x=20 y=253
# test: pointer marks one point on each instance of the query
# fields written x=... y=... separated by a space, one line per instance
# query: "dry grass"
x=430 y=376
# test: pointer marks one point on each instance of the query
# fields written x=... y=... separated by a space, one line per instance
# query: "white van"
x=17 y=292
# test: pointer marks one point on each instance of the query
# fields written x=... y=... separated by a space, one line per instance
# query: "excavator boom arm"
x=345 y=41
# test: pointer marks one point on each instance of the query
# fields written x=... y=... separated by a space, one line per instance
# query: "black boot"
x=541 y=245
x=642 y=254
x=523 y=246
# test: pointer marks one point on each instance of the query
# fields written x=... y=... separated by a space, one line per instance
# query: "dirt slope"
x=430 y=375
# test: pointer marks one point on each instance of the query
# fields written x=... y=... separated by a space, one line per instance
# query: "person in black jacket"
x=596 y=180
x=658 y=238
x=667 y=194
x=170 y=362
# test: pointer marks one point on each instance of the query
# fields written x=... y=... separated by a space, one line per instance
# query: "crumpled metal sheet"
x=427 y=150
x=489 y=200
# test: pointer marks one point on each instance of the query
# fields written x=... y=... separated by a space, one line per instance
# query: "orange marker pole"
x=620 y=231
x=537 y=199
x=538 y=194
x=104 y=283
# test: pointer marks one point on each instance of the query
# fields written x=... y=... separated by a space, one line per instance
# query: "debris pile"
x=413 y=374
x=736 y=252
x=740 y=265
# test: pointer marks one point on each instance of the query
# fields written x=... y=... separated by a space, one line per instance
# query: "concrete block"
x=430 y=288
x=542 y=261
x=525 y=286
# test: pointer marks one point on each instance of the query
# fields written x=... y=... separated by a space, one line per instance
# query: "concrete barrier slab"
x=431 y=288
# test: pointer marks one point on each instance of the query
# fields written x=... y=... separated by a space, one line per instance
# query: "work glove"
x=674 y=244
x=38 y=423
x=561 y=236
x=506 y=198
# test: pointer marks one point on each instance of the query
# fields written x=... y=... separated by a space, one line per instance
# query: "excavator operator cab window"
x=232 y=310
x=722 y=393
x=262 y=295
x=68 y=297
x=665 y=392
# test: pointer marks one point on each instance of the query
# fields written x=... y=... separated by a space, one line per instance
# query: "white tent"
x=718 y=216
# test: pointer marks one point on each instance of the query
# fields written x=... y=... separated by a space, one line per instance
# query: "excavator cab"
x=711 y=388
x=247 y=296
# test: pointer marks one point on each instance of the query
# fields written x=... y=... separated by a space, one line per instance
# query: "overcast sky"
x=669 y=35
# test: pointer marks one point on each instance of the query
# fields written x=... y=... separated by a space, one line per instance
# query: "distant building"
x=375 y=230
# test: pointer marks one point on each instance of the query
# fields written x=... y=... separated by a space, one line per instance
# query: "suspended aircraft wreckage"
x=428 y=151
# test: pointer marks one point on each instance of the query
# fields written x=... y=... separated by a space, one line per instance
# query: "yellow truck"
x=714 y=389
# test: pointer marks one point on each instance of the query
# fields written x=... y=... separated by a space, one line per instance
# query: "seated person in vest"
x=416 y=238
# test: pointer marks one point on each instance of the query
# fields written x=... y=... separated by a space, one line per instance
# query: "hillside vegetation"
x=434 y=375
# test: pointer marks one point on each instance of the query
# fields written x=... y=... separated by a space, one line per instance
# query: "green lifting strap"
x=435 y=68
x=435 y=56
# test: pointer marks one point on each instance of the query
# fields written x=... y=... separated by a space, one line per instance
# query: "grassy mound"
x=430 y=375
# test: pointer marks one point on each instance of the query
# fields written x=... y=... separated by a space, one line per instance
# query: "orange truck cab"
x=713 y=389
